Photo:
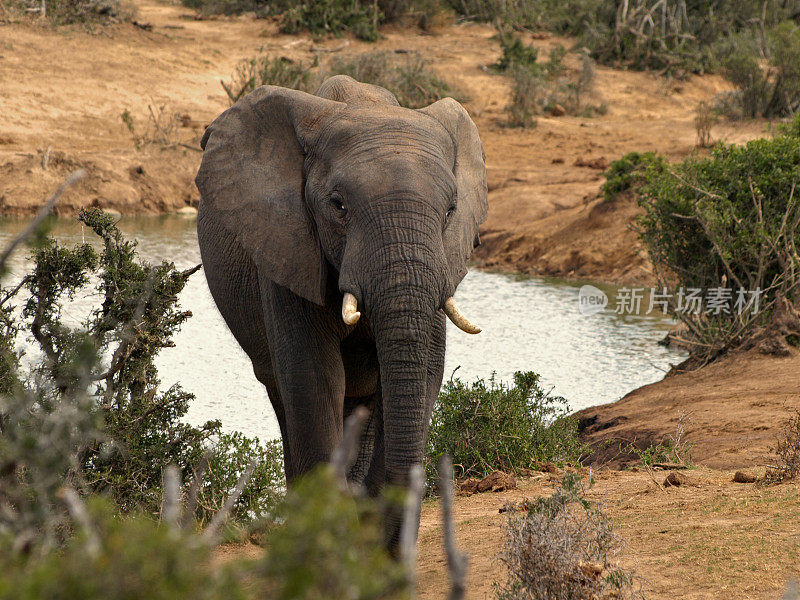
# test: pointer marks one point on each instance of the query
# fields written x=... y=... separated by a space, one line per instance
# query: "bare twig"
x=792 y=592
x=194 y=489
x=191 y=271
x=212 y=531
x=171 y=506
x=78 y=512
x=456 y=561
x=345 y=453
x=44 y=212
x=410 y=526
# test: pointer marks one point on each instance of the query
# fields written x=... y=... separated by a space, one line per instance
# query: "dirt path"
x=64 y=110
x=710 y=539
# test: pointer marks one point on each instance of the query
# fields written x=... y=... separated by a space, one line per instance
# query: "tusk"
x=458 y=319
x=350 y=314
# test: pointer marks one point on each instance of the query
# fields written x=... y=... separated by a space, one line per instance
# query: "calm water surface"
x=528 y=324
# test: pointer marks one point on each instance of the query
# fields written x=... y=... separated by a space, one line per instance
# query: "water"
x=528 y=324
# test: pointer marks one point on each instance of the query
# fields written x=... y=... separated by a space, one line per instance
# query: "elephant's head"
x=348 y=183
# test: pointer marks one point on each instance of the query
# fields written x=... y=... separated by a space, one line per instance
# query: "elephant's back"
x=343 y=88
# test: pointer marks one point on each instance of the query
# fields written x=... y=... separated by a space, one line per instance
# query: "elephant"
x=334 y=228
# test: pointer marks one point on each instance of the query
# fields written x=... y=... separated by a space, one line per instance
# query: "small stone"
x=187 y=210
x=744 y=477
x=676 y=479
x=558 y=110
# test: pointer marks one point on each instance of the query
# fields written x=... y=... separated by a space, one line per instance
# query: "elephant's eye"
x=337 y=201
x=450 y=211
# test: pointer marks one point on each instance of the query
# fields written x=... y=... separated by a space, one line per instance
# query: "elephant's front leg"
x=310 y=377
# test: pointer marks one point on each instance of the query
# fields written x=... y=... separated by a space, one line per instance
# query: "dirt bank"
x=64 y=111
x=733 y=410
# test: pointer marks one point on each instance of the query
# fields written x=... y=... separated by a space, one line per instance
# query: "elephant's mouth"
x=350 y=313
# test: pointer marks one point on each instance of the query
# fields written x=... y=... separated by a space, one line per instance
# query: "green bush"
x=486 y=428
x=527 y=93
x=88 y=13
x=330 y=546
x=730 y=221
x=261 y=8
x=673 y=38
x=91 y=412
x=232 y=453
x=410 y=78
x=517 y=52
x=765 y=92
x=122 y=558
x=539 y=87
x=629 y=173
x=358 y=17
x=264 y=70
x=562 y=547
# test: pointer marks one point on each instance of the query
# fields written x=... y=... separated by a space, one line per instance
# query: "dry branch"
x=345 y=453
x=44 y=212
x=410 y=527
x=171 y=505
x=212 y=531
x=456 y=561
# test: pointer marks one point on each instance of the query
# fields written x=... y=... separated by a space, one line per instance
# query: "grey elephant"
x=316 y=210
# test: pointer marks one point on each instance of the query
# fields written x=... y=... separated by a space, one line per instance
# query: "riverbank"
x=66 y=112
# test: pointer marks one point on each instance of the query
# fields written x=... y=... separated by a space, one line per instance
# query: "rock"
x=497 y=482
x=676 y=479
x=558 y=110
x=112 y=212
x=187 y=210
x=744 y=477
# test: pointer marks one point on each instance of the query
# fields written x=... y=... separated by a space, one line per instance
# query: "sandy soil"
x=63 y=111
x=709 y=539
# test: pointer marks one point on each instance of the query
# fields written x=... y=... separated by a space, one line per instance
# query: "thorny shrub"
x=562 y=547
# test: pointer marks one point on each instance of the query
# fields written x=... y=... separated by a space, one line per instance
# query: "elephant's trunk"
x=402 y=340
x=403 y=312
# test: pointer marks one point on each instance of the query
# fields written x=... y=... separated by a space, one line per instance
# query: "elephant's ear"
x=251 y=183
x=461 y=235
